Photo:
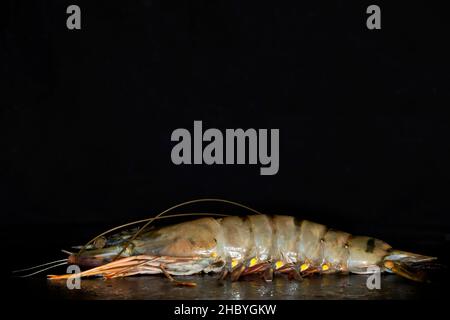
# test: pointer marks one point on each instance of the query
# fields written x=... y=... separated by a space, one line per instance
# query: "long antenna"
x=41 y=265
x=151 y=219
x=177 y=206
x=42 y=270
x=145 y=220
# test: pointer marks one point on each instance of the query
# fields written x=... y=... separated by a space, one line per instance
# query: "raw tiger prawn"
x=236 y=246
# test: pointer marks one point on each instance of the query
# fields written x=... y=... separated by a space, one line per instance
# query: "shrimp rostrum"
x=237 y=246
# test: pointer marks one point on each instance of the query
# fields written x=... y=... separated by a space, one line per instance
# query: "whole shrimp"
x=236 y=246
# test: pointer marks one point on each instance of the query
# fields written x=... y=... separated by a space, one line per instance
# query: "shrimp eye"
x=346 y=246
x=100 y=243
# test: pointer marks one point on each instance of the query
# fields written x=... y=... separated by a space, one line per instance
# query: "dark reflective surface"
x=208 y=287
x=21 y=255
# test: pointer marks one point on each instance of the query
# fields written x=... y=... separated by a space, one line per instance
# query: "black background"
x=87 y=115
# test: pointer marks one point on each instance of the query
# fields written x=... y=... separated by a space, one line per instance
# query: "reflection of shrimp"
x=239 y=246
